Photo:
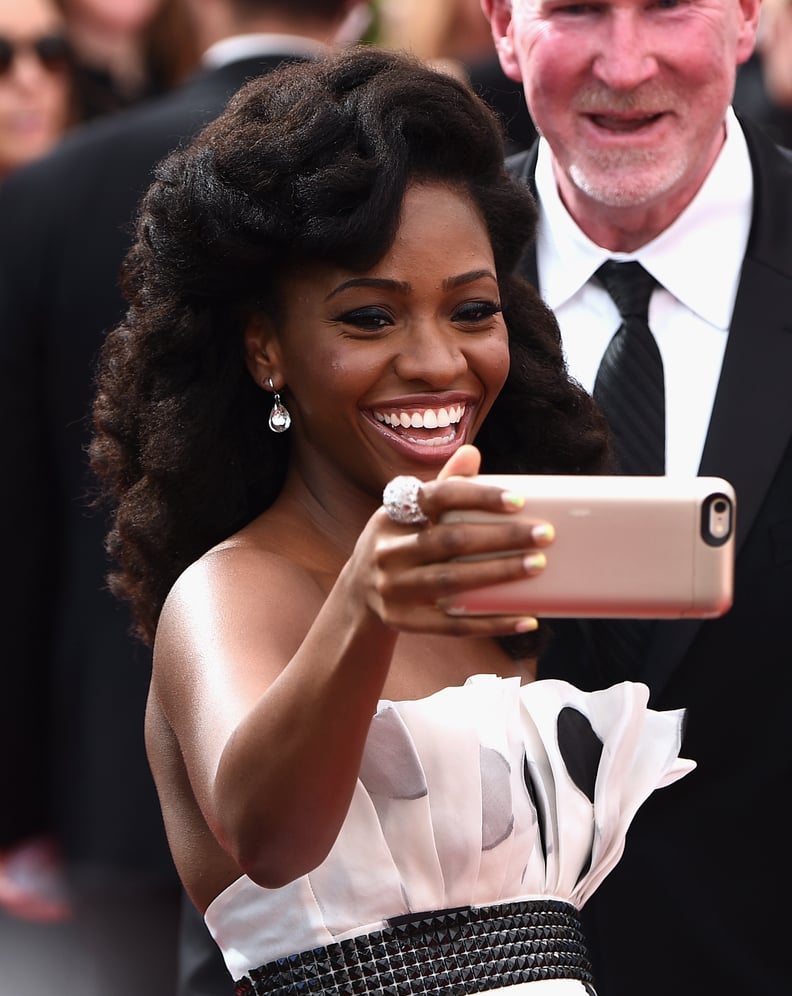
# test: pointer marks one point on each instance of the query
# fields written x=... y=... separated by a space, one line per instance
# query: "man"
x=75 y=681
x=642 y=159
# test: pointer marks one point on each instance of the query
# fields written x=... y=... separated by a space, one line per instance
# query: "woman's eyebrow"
x=468 y=278
x=381 y=283
x=403 y=286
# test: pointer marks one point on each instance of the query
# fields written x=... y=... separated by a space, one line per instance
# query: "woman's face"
x=390 y=371
x=34 y=81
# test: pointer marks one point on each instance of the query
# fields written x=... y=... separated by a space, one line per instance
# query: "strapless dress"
x=483 y=818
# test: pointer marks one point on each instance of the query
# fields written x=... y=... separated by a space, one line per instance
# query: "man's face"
x=630 y=94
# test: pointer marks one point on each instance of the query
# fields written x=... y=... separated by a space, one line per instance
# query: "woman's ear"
x=262 y=353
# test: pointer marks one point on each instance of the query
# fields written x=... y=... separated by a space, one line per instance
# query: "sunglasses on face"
x=52 y=51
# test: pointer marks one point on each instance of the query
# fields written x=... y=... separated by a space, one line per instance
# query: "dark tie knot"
x=629 y=285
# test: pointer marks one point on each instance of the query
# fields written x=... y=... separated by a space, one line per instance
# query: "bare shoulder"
x=239 y=586
x=229 y=626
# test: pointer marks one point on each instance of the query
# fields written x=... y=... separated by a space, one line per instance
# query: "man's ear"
x=749 y=26
x=262 y=352
x=499 y=14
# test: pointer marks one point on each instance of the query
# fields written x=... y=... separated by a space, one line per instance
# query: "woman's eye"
x=367 y=319
x=476 y=312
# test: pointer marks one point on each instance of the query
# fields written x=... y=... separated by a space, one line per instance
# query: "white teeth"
x=435 y=441
x=429 y=419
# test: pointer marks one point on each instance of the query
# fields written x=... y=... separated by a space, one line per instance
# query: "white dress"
x=490 y=794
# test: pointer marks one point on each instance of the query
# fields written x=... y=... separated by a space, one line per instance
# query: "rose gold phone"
x=643 y=547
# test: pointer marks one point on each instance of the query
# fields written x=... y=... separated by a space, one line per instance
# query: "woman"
x=35 y=81
x=359 y=788
x=127 y=52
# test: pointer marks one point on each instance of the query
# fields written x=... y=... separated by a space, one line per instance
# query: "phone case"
x=625 y=547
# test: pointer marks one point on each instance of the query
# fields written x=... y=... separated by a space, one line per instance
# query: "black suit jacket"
x=699 y=902
x=507 y=98
x=74 y=683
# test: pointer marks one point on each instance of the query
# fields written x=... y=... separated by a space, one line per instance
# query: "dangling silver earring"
x=279 y=419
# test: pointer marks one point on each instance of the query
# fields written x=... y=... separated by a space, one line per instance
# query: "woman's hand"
x=415 y=568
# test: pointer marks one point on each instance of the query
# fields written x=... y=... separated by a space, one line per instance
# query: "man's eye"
x=473 y=312
x=577 y=9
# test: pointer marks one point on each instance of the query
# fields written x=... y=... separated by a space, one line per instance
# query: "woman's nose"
x=431 y=355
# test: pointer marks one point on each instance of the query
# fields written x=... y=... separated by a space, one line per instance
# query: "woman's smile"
x=425 y=430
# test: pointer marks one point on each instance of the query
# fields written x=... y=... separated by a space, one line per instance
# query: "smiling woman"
x=35 y=81
x=421 y=340
x=360 y=788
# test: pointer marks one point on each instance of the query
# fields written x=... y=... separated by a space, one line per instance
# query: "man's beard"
x=627 y=178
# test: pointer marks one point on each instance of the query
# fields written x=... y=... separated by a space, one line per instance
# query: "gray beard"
x=614 y=190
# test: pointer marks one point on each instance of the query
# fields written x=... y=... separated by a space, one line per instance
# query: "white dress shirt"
x=691 y=311
x=255 y=45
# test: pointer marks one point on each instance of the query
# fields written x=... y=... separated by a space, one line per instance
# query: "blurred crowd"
x=64 y=64
x=764 y=83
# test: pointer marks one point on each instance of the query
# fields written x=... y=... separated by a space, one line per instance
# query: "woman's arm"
x=270 y=687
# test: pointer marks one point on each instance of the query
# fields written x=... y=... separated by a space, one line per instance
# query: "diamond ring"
x=400 y=499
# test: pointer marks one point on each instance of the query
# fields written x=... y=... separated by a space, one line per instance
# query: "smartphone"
x=625 y=547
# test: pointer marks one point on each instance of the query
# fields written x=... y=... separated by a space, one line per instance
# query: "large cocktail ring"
x=400 y=499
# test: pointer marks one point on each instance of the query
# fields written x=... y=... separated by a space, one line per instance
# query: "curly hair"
x=309 y=162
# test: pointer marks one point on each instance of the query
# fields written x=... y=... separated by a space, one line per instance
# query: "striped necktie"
x=630 y=385
x=630 y=389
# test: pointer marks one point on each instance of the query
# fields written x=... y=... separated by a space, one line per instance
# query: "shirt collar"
x=714 y=227
x=251 y=46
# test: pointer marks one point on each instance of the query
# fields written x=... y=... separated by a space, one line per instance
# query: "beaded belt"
x=444 y=952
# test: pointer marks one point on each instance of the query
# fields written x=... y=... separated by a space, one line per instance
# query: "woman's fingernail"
x=527 y=625
x=512 y=500
x=543 y=532
x=534 y=562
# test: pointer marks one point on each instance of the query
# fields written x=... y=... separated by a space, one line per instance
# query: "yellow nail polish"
x=543 y=532
x=534 y=561
x=512 y=500
x=527 y=625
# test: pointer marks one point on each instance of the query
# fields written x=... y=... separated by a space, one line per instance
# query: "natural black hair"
x=309 y=162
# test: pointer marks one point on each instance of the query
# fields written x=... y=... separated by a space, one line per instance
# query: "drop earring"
x=279 y=419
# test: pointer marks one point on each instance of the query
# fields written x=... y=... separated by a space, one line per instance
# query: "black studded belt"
x=444 y=952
